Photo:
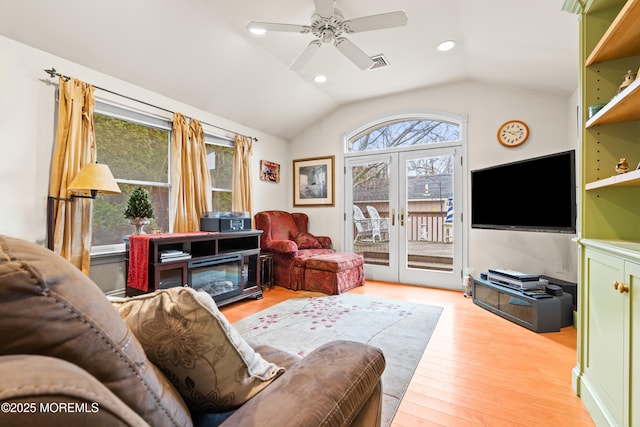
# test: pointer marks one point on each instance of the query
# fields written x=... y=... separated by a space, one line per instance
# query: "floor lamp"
x=93 y=177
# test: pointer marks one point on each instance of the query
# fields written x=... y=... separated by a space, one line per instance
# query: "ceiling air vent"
x=379 y=61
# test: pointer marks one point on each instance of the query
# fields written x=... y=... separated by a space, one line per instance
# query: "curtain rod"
x=53 y=73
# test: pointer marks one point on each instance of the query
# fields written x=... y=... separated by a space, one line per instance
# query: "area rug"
x=401 y=329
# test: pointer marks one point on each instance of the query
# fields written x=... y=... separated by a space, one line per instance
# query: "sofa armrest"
x=276 y=356
x=282 y=246
x=330 y=386
x=45 y=391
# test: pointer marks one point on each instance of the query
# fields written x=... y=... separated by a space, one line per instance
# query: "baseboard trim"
x=594 y=405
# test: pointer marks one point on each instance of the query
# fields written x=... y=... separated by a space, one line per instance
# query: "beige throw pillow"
x=185 y=335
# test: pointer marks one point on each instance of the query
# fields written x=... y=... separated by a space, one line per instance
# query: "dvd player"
x=515 y=279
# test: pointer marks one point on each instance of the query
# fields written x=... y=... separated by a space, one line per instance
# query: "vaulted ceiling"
x=199 y=51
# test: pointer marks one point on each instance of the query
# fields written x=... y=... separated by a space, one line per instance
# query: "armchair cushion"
x=184 y=333
x=50 y=308
x=306 y=240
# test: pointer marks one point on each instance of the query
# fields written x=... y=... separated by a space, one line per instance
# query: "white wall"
x=27 y=110
x=487 y=107
x=27 y=116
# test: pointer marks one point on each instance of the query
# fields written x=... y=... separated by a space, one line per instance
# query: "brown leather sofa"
x=68 y=358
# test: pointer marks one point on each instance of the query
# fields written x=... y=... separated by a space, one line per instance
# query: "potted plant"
x=139 y=209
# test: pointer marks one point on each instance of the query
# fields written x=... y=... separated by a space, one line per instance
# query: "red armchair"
x=285 y=235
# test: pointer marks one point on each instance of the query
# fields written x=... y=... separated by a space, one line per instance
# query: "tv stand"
x=539 y=315
x=223 y=264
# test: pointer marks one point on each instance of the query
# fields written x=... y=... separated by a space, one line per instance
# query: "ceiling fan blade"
x=353 y=53
x=376 y=22
x=324 y=8
x=270 y=26
x=306 y=55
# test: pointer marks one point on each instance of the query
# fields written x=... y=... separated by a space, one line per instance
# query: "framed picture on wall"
x=269 y=171
x=313 y=181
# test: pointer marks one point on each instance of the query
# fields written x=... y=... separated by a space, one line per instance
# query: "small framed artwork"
x=269 y=171
x=313 y=181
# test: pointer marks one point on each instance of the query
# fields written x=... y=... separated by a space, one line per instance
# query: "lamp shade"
x=95 y=176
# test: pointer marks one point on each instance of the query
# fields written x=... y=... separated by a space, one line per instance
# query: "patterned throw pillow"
x=185 y=335
x=306 y=240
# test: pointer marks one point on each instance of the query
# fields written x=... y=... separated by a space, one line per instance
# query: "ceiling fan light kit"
x=328 y=25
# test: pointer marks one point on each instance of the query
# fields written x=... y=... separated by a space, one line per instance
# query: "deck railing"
x=427 y=227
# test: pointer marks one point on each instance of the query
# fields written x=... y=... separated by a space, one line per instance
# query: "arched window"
x=403 y=132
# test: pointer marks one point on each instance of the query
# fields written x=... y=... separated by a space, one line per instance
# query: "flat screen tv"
x=537 y=194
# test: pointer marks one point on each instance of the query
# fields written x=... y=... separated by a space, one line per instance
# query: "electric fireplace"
x=219 y=277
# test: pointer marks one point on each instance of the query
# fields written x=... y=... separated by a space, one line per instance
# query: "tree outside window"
x=138 y=156
x=402 y=133
x=136 y=147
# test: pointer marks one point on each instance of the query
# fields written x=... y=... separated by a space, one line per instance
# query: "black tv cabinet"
x=539 y=315
x=224 y=264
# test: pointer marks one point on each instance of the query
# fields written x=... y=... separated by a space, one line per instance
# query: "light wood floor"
x=478 y=369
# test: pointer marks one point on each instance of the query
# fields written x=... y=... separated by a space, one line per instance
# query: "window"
x=403 y=132
x=220 y=162
x=136 y=147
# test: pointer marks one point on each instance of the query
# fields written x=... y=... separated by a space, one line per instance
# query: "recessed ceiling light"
x=446 y=45
x=320 y=78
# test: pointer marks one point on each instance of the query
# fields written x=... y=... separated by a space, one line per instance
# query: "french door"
x=403 y=215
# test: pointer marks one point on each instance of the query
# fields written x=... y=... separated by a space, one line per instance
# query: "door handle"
x=402 y=217
x=393 y=217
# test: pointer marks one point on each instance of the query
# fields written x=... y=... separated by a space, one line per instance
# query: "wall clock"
x=513 y=133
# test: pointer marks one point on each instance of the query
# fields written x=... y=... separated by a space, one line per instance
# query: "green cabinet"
x=609 y=242
x=610 y=335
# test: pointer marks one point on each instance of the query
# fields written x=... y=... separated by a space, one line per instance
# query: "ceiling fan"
x=328 y=25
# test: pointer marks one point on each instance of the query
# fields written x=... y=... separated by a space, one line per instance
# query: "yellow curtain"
x=201 y=176
x=74 y=147
x=242 y=175
x=179 y=142
x=190 y=180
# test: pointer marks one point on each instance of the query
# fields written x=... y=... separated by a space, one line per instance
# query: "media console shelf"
x=224 y=264
x=539 y=315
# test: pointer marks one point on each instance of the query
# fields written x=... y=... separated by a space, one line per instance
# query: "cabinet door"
x=165 y=276
x=632 y=273
x=605 y=333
